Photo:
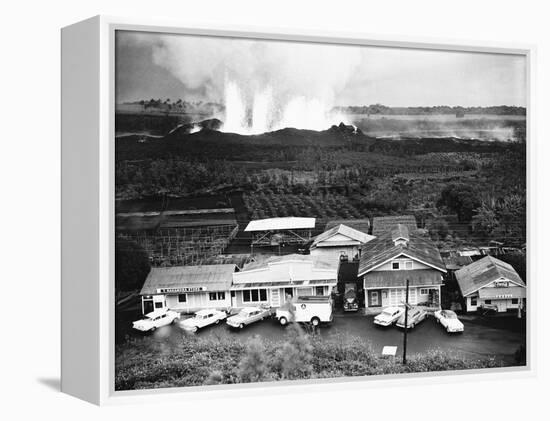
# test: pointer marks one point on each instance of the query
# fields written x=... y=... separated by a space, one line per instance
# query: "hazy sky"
x=198 y=68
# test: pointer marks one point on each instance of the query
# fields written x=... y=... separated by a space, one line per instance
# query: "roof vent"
x=400 y=235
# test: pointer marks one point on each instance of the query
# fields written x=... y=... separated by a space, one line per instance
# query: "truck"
x=350 y=297
x=306 y=309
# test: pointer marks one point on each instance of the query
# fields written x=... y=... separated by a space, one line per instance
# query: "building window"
x=395 y=265
x=514 y=301
x=215 y=296
x=424 y=291
x=374 y=298
x=473 y=301
x=254 y=295
x=487 y=301
x=158 y=304
x=319 y=290
x=182 y=298
x=409 y=264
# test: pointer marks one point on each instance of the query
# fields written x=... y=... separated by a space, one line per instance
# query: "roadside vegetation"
x=194 y=361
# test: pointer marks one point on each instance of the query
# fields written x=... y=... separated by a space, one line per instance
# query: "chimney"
x=400 y=235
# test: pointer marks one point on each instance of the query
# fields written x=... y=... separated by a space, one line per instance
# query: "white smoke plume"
x=264 y=85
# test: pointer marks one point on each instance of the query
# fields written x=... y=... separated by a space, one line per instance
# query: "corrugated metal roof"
x=283 y=284
x=484 y=271
x=400 y=232
x=383 y=224
x=398 y=278
x=273 y=224
x=349 y=232
x=383 y=248
x=362 y=225
x=265 y=261
x=211 y=277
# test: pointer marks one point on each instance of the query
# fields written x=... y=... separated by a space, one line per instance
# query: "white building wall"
x=198 y=301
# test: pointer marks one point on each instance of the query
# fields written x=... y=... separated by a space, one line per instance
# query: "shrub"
x=198 y=361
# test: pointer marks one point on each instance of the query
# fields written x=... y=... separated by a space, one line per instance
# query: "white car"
x=247 y=316
x=389 y=316
x=158 y=318
x=202 y=319
x=449 y=320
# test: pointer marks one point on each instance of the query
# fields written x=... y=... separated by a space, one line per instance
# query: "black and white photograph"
x=289 y=210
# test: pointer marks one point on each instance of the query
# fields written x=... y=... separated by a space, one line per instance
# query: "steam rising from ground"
x=264 y=85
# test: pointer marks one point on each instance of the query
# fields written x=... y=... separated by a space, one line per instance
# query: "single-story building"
x=491 y=283
x=384 y=224
x=339 y=242
x=388 y=261
x=188 y=288
x=274 y=280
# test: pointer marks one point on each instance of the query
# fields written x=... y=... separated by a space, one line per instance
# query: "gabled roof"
x=353 y=234
x=362 y=225
x=383 y=224
x=210 y=277
x=398 y=278
x=286 y=223
x=484 y=271
x=383 y=249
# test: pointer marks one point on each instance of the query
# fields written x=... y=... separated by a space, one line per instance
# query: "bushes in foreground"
x=198 y=361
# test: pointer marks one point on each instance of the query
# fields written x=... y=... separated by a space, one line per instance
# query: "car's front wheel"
x=283 y=321
x=241 y=326
x=152 y=329
x=217 y=321
x=194 y=329
x=315 y=321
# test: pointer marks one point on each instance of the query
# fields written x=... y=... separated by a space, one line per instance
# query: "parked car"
x=350 y=297
x=449 y=320
x=202 y=319
x=158 y=318
x=247 y=316
x=306 y=309
x=389 y=316
x=415 y=315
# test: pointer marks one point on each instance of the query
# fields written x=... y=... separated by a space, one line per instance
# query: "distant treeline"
x=438 y=109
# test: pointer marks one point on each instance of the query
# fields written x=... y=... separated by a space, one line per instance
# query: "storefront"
x=188 y=288
x=275 y=280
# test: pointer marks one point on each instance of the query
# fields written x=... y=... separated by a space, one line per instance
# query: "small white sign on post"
x=389 y=351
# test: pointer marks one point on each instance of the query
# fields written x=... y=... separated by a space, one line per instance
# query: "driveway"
x=482 y=337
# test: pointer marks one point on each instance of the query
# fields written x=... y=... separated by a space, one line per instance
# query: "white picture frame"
x=88 y=211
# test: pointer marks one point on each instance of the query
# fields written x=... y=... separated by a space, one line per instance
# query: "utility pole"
x=406 y=323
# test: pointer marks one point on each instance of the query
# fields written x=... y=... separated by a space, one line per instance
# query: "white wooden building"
x=339 y=242
x=388 y=261
x=274 y=280
x=491 y=283
x=188 y=288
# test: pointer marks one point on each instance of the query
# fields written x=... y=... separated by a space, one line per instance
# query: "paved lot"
x=499 y=337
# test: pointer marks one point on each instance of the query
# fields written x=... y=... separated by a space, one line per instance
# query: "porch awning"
x=398 y=278
x=501 y=293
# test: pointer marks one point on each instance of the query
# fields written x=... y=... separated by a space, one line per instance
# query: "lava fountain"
x=263 y=112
